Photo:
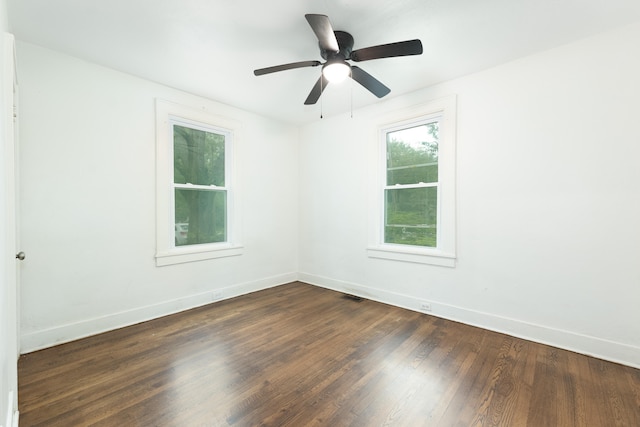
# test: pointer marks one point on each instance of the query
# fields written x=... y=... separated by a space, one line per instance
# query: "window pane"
x=411 y=216
x=200 y=217
x=412 y=155
x=198 y=157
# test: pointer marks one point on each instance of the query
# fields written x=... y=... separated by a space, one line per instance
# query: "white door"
x=9 y=111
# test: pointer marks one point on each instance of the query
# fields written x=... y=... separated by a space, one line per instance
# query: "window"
x=411 y=188
x=416 y=196
x=199 y=177
x=195 y=188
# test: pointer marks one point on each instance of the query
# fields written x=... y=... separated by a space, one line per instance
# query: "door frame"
x=11 y=198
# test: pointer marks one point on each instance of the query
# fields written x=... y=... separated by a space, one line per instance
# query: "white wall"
x=88 y=203
x=548 y=201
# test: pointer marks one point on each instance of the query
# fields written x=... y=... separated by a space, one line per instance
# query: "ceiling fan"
x=336 y=47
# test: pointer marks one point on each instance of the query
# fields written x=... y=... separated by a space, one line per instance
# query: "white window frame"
x=444 y=254
x=167 y=253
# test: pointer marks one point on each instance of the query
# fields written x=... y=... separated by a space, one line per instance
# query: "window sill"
x=182 y=255
x=415 y=255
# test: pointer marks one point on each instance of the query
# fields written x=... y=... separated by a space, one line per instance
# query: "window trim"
x=445 y=252
x=168 y=113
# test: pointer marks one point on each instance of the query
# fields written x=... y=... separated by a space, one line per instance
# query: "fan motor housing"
x=345 y=43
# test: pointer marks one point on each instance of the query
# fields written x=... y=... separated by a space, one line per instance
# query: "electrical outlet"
x=425 y=306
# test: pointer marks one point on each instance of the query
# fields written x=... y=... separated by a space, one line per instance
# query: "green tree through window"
x=200 y=193
x=411 y=190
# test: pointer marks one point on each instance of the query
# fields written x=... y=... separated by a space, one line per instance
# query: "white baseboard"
x=60 y=334
x=579 y=343
x=592 y=346
x=12 y=413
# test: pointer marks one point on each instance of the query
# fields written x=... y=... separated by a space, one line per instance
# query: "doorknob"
x=20 y=255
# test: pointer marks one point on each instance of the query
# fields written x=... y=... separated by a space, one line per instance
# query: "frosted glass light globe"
x=336 y=71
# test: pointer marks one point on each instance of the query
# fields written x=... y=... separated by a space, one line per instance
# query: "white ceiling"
x=211 y=47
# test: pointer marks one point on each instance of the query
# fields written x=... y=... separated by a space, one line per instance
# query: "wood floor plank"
x=298 y=355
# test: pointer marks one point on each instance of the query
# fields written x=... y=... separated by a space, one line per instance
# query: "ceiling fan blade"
x=405 y=48
x=369 y=82
x=317 y=90
x=301 y=64
x=324 y=32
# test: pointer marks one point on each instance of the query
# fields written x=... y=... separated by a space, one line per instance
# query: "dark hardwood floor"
x=298 y=355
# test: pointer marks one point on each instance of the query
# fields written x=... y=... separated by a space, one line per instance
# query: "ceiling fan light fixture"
x=336 y=47
x=336 y=71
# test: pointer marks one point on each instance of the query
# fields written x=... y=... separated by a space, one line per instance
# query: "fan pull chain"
x=351 y=88
x=321 y=90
